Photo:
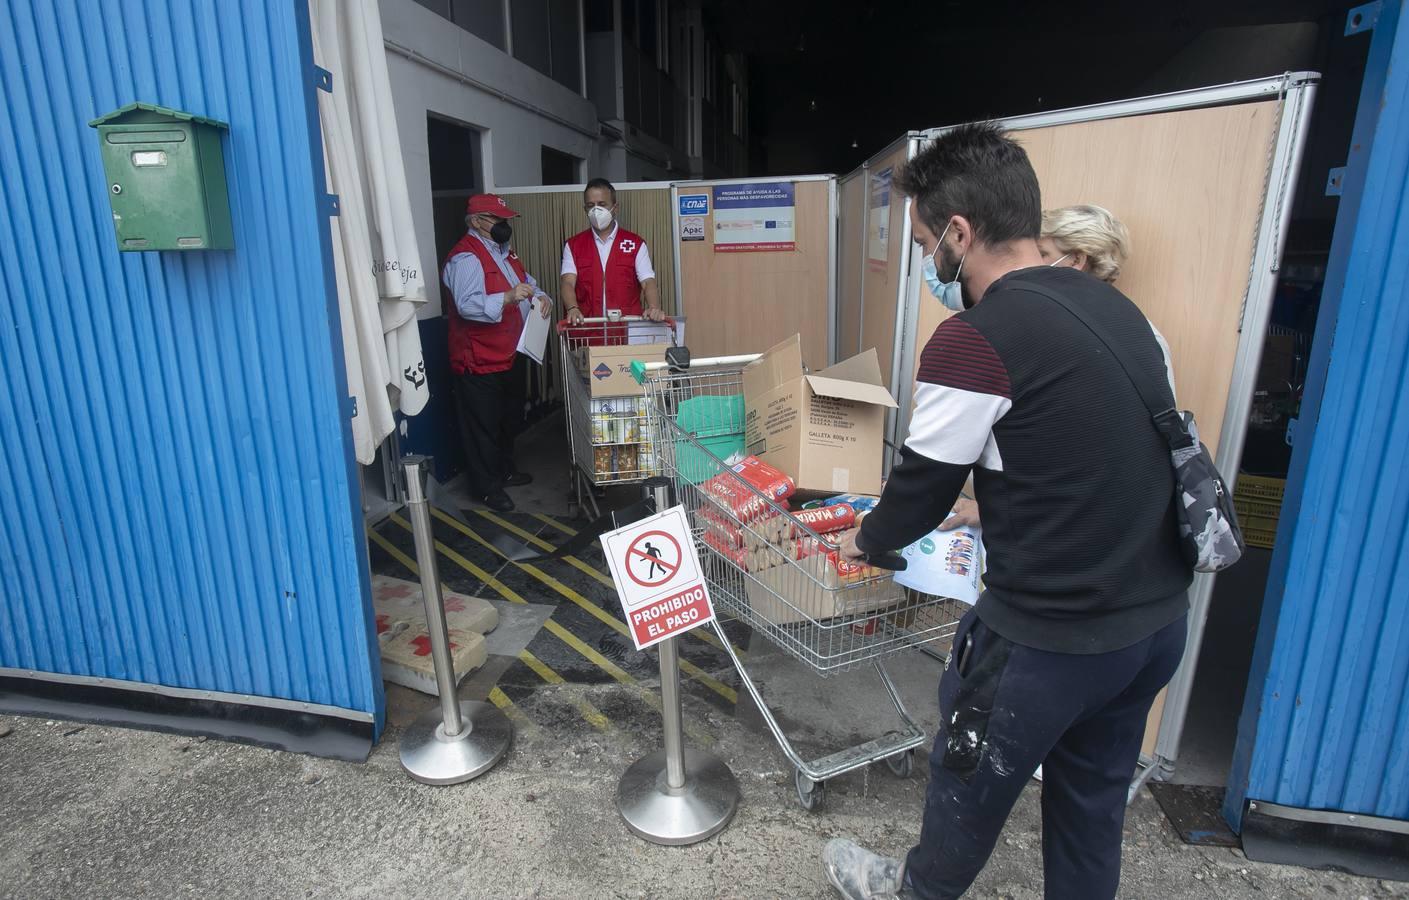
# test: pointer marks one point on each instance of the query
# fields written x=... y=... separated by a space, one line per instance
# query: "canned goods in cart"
x=608 y=436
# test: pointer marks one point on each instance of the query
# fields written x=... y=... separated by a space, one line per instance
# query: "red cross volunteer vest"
x=483 y=347
x=623 y=290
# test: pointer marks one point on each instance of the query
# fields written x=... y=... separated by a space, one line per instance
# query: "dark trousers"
x=1005 y=709
x=491 y=417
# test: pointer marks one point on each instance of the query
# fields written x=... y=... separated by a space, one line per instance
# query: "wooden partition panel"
x=1188 y=185
x=747 y=302
x=881 y=292
x=851 y=253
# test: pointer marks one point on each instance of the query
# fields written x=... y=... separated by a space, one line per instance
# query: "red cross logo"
x=627 y=245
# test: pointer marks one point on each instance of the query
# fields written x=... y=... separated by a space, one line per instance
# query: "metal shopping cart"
x=777 y=575
x=608 y=436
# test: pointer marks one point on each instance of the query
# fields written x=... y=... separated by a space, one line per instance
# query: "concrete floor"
x=111 y=813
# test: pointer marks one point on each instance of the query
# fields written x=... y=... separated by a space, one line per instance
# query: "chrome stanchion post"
x=671 y=717
x=676 y=795
x=462 y=739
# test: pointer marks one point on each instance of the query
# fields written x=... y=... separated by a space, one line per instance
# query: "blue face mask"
x=948 y=292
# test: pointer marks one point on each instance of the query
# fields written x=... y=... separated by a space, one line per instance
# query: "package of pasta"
x=763 y=531
x=765 y=558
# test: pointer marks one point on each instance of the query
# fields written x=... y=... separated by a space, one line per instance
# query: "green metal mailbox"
x=166 y=179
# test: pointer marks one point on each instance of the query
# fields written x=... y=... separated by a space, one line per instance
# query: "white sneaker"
x=859 y=874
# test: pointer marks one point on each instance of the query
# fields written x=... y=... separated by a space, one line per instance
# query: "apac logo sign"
x=694 y=204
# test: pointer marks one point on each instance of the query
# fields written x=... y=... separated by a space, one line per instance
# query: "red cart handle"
x=565 y=326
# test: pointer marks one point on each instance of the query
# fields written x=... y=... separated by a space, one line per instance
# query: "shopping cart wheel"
x=901 y=764
x=811 y=794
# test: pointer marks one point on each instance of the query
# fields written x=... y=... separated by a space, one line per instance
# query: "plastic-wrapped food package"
x=736 y=555
x=823 y=520
x=728 y=533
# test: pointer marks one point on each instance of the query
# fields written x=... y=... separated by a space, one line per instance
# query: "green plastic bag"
x=718 y=425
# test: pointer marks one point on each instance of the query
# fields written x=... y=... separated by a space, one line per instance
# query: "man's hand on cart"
x=850 y=552
x=847 y=545
x=574 y=316
x=654 y=314
x=965 y=514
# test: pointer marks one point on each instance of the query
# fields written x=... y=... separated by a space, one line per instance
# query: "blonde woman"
x=1084 y=237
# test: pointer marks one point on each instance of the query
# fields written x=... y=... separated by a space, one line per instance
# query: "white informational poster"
x=658 y=578
x=945 y=564
x=758 y=217
x=878 y=238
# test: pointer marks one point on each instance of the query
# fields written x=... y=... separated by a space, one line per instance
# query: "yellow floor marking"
x=602 y=615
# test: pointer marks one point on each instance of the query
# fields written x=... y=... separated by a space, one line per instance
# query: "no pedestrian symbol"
x=653 y=558
x=658 y=578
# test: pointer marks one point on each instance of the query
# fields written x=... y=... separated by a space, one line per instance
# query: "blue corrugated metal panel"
x=1331 y=675
x=177 y=491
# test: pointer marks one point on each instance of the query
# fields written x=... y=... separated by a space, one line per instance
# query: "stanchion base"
x=697 y=811
x=429 y=756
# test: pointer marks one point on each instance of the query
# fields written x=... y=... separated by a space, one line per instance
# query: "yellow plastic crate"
x=1259 y=532
x=1259 y=487
x=1257 y=509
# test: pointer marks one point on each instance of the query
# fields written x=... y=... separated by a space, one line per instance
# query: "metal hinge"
x=352 y=407
x=323 y=79
x=1335 y=181
x=1363 y=18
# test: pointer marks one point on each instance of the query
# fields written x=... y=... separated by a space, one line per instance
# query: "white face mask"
x=600 y=216
x=947 y=292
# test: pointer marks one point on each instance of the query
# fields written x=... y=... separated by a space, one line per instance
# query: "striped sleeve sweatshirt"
x=1074 y=484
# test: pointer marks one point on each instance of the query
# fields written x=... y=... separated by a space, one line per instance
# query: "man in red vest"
x=488 y=295
x=607 y=267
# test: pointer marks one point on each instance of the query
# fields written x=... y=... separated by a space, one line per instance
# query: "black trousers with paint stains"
x=491 y=417
x=1006 y=709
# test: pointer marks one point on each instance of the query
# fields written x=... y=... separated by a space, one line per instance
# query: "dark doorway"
x=559 y=168
x=455 y=175
x=456 y=172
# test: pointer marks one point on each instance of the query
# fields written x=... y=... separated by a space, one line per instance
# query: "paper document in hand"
x=945 y=564
x=533 y=340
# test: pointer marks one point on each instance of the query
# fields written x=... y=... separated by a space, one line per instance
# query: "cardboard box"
x=792 y=593
x=824 y=430
x=609 y=368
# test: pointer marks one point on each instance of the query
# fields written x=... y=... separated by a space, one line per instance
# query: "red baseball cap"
x=492 y=204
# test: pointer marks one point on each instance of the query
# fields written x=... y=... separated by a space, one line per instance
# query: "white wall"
x=479 y=89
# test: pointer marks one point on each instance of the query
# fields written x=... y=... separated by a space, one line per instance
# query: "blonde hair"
x=1090 y=230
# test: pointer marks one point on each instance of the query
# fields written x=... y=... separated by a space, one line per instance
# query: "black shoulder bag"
x=1208 y=523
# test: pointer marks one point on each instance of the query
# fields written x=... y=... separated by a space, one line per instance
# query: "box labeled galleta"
x=824 y=430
